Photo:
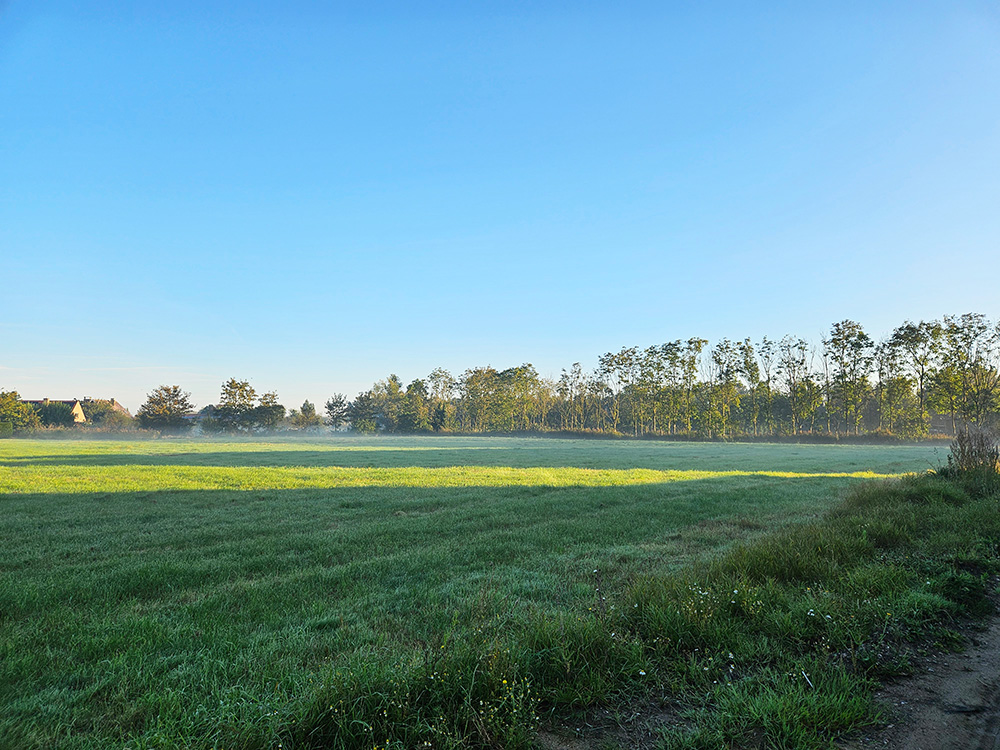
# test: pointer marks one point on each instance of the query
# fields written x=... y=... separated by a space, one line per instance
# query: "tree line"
x=931 y=376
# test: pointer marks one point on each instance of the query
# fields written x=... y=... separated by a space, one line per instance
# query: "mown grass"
x=323 y=595
x=387 y=452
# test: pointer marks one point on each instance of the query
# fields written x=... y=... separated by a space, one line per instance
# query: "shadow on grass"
x=415 y=457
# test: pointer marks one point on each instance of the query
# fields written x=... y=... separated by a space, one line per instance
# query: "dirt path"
x=951 y=703
x=637 y=728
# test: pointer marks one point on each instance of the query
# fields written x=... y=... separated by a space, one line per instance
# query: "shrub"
x=974 y=460
x=974 y=450
x=6 y=429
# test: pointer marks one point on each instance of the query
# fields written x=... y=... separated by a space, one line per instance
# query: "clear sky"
x=311 y=196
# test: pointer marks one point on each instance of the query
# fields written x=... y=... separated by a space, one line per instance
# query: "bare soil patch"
x=637 y=727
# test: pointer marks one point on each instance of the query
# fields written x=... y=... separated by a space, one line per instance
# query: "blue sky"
x=312 y=198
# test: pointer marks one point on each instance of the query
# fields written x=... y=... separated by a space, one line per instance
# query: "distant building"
x=74 y=404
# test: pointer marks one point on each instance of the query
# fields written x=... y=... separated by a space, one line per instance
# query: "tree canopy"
x=15 y=411
x=240 y=410
x=166 y=408
x=305 y=418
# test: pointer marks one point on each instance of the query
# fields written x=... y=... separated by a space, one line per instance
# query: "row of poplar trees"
x=924 y=377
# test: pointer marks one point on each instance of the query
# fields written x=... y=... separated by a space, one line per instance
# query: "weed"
x=974 y=460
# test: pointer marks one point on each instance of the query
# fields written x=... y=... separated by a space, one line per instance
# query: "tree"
x=416 y=414
x=851 y=351
x=116 y=420
x=268 y=413
x=442 y=416
x=103 y=413
x=689 y=362
x=305 y=418
x=669 y=393
x=442 y=384
x=388 y=398
x=96 y=410
x=55 y=414
x=767 y=352
x=336 y=410
x=945 y=393
x=725 y=395
x=363 y=413
x=166 y=409
x=898 y=409
x=442 y=387
x=522 y=390
x=571 y=389
x=972 y=351
x=15 y=411
x=648 y=387
x=749 y=370
x=792 y=366
x=478 y=399
x=921 y=345
x=618 y=371
x=234 y=412
x=239 y=409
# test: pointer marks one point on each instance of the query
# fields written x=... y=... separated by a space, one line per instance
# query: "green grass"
x=346 y=592
x=342 y=450
x=826 y=609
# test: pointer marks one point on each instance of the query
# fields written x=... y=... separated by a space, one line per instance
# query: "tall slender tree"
x=268 y=413
x=749 y=370
x=725 y=358
x=972 y=345
x=791 y=365
x=690 y=361
x=920 y=343
x=850 y=350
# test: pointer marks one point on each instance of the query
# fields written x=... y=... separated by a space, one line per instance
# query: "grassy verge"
x=792 y=632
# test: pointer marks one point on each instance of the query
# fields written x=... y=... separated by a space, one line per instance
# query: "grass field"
x=184 y=593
